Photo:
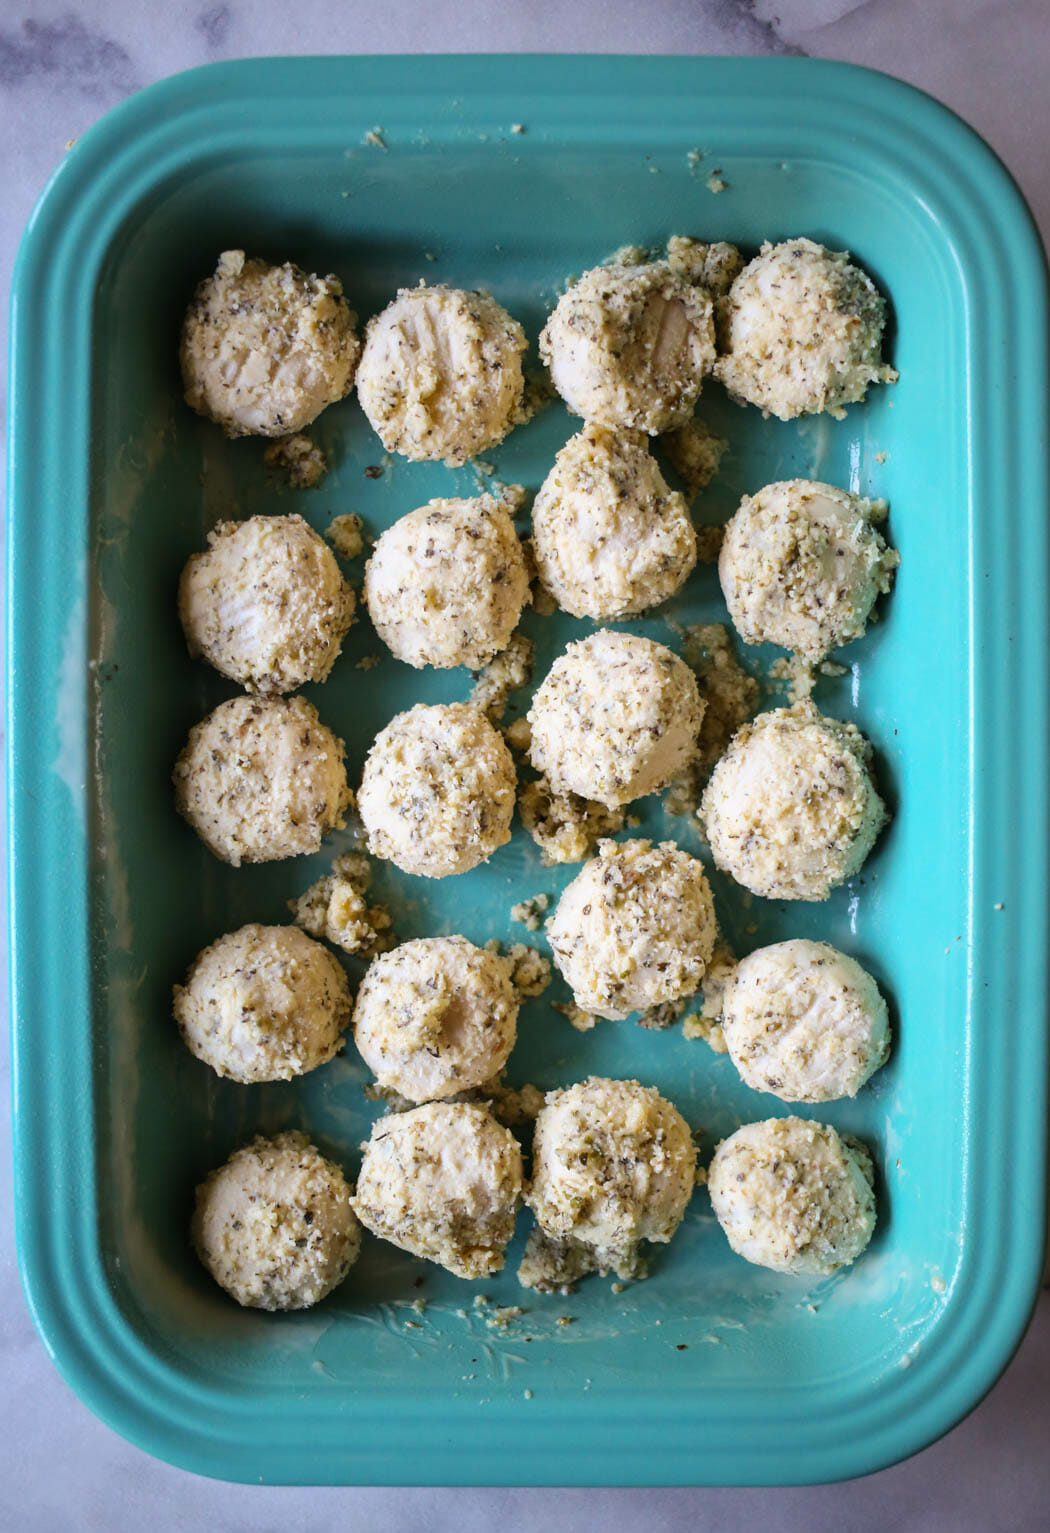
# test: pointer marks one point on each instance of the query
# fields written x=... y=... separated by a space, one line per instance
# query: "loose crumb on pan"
x=582 y=1021
x=335 y=908
x=505 y=673
x=299 y=459
x=695 y=454
x=731 y=695
x=367 y=662
x=657 y=1018
x=707 y=1023
x=539 y=393
x=374 y=136
x=392 y=1100
x=696 y=1025
x=628 y=255
x=530 y=912
x=797 y=677
x=543 y=603
x=345 y=535
x=518 y=735
x=530 y=972
x=501 y=1317
x=709 y=544
x=716 y=183
x=514 y=1106
x=564 y=826
x=554 y=1266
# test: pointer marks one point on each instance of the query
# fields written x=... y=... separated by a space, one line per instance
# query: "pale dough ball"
x=635 y=928
x=804 y=1021
x=265 y=348
x=801 y=565
x=610 y=538
x=435 y=1016
x=266 y=604
x=630 y=345
x=803 y=332
x=793 y=1195
x=446 y=584
x=791 y=810
x=443 y=1182
x=264 y=1003
x=261 y=778
x=438 y=788
x=440 y=374
x=613 y=1163
x=274 y=1225
x=616 y=717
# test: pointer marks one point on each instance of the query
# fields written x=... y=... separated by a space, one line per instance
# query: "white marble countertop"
x=63 y=65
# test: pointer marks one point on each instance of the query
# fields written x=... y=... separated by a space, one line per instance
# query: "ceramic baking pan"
x=712 y=1370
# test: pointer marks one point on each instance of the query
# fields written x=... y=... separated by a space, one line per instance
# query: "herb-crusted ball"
x=803 y=332
x=266 y=604
x=610 y=538
x=634 y=929
x=436 y=1016
x=440 y=374
x=613 y=1164
x=801 y=565
x=274 y=1225
x=260 y=779
x=266 y=348
x=793 y=1195
x=443 y=1182
x=791 y=810
x=446 y=584
x=616 y=717
x=804 y=1021
x=629 y=345
x=438 y=790
x=263 y=1003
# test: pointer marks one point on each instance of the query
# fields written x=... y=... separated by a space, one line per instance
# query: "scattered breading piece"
x=335 y=908
x=299 y=459
x=345 y=535
x=564 y=826
x=505 y=673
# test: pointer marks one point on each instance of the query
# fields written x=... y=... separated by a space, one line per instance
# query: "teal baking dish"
x=711 y=1371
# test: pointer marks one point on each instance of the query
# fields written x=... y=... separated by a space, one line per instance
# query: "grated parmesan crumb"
x=530 y=972
x=709 y=544
x=731 y=695
x=564 y=826
x=581 y=1020
x=518 y=735
x=301 y=461
x=335 y=908
x=695 y=454
x=502 y=1316
x=794 y=675
x=530 y=912
x=505 y=673
x=344 y=533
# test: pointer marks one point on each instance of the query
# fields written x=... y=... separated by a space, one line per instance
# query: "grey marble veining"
x=64 y=63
